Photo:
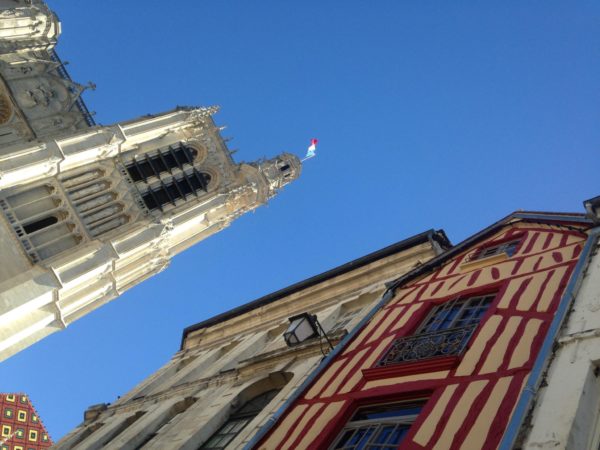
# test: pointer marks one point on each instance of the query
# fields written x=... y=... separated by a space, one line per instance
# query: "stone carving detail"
x=42 y=95
x=96 y=201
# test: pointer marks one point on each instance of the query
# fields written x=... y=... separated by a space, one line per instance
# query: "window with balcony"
x=381 y=427
x=445 y=332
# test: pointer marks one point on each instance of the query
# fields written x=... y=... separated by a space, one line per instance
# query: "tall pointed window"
x=167 y=176
x=164 y=161
x=178 y=187
x=237 y=421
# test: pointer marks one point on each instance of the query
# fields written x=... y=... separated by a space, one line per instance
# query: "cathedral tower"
x=89 y=211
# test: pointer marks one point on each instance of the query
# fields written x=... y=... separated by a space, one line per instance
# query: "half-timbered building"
x=452 y=355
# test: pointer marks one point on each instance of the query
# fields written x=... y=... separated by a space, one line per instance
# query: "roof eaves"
x=458 y=248
x=429 y=235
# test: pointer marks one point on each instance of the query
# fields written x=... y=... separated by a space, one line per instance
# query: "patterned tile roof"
x=20 y=424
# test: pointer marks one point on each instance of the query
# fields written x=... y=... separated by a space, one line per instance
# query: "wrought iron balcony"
x=450 y=342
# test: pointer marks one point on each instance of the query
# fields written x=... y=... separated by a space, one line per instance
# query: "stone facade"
x=227 y=362
x=89 y=211
x=38 y=99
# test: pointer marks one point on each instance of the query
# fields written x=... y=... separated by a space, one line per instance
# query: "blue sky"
x=428 y=114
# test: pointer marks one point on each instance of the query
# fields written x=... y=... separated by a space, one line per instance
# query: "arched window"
x=164 y=161
x=168 y=175
x=176 y=188
x=238 y=420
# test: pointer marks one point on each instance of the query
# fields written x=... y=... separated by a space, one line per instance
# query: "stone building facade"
x=234 y=371
x=453 y=354
x=89 y=211
x=38 y=99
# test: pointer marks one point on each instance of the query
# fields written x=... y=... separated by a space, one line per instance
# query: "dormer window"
x=509 y=248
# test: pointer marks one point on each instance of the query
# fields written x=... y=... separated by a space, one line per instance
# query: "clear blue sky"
x=429 y=115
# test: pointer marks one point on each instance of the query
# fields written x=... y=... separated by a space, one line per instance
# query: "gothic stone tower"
x=89 y=211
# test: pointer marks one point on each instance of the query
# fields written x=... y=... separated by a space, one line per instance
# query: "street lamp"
x=303 y=327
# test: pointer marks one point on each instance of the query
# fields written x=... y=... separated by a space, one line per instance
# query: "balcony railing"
x=450 y=342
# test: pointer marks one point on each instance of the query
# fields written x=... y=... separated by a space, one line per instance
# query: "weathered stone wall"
x=221 y=366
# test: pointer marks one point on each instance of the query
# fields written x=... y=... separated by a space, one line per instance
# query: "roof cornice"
x=438 y=236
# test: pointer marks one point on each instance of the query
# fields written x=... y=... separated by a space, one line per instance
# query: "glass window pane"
x=235 y=423
x=378 y=427
x=237 y=426
x=365 y=438
x=357 y=436
x=511 y=248
x=384 y=434
x=345 y=438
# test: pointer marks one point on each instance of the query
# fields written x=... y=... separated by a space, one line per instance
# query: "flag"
x=312 y=148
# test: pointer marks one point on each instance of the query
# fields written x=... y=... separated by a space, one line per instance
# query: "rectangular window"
x=8 y=413
x=10 y=397
x=381 y=427
x=6 y=430
x=22 y=416
x=445 y=332
x=506 y=247
x=33 y=435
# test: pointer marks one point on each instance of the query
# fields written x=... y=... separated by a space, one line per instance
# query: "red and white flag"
x=312 y=148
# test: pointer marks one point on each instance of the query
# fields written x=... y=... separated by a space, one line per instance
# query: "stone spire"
x=88 y=215
x=27 y=25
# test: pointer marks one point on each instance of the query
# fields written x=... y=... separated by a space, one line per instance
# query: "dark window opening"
x=177 y=188
x=164 y=161
x=445 y=332
x=284 y=168
x=146 y=440
x=238 y=421
x=32 y=227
